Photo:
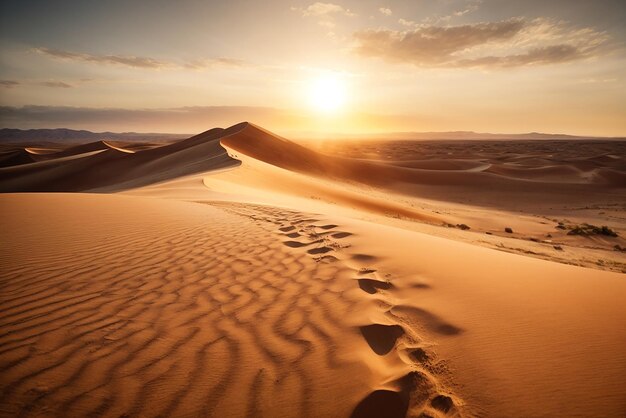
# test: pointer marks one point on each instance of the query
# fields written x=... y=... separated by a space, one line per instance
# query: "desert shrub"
x=587 y=229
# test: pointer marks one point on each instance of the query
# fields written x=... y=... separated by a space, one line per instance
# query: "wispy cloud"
x=471 y=6
x=56 y=84
x=125 y=60
x=215 y=62
x=323 y=9
x=466 y=7
x=138 y=62
x=182 y=119
x=385 y=11
x=325 y=13
x=405 y=22
x=7 y=84
x=509 y=43
x=186 y=119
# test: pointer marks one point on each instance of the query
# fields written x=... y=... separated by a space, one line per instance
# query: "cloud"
x=228 y=61
x=323 y=9
x=215 y=62
x=7 y=84
x=53 y=84
x=509 y=43
x=385 y=11
x=125 y=60
x=194 y=119
x=56 y=84
x=469 y=6
x=325 y=13
x=181 y=119
x=543 y=55
x=138 y=62
x=432 y=44
x=472 y=6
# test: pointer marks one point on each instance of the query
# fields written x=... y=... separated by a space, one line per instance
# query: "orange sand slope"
x=118 y=305
x=243 y=274
x=122 y=305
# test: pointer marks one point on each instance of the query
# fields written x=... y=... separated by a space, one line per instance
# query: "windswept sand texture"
x=240 y=274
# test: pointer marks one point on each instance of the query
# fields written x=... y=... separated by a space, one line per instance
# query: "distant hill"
x=74 y=136
x=479 y=135
x=71 y=136
x=452 y=135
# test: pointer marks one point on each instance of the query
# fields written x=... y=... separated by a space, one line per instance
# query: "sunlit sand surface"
x=241 y=274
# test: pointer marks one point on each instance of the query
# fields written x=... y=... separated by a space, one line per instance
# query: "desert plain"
x=238 y=273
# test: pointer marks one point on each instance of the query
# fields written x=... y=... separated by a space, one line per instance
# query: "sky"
x=315 y=68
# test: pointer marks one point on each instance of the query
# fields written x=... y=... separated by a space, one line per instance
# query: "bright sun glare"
x=328 y=93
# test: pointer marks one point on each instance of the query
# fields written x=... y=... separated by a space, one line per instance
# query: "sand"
x=237 y=273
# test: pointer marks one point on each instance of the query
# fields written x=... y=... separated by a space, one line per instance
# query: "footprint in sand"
x=417 y=389
x=372 y=286
x=294 y=244
x=419 y=355
x=442 y=402
x=382 y=403
x=381 y=338
x=364 y=258
x=320 y=250
x=421 y=286
x=325 y=227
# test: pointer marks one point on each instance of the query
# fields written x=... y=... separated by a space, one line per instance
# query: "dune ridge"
x=101 y=166
x=203 y=152
x=262 y=145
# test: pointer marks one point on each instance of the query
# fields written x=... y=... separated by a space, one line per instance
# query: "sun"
x=328 y=93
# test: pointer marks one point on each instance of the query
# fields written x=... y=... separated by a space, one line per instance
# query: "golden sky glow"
x=306 y=67
x=328 y=93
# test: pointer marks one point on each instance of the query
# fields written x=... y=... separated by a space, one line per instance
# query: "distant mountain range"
x=451 y=135
x=82 y=136
x=74 y=136
x=479 y=135
x=470 y=135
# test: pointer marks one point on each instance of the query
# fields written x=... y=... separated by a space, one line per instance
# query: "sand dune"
x=264 y=146
x=291 y=156
x=82 y=149
x=442 y=164
x=510 y=159
x=201 y=152
x=105 y=167
x=15 y=157
x=561 y=173
x=242 y=274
